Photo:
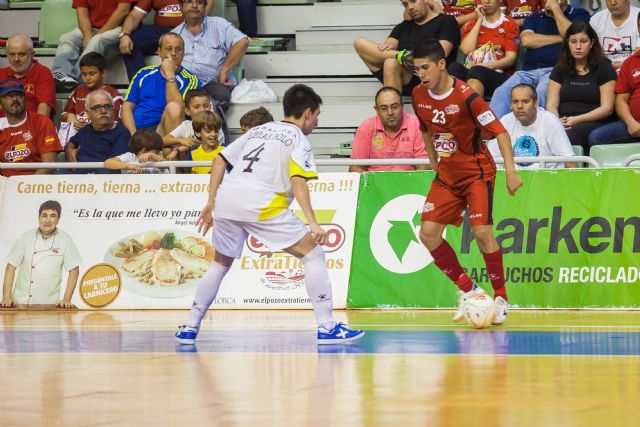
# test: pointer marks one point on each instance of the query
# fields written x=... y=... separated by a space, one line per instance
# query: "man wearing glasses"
x=24 y=136
x=212 y=48
x=390 y=134
x=102 y=139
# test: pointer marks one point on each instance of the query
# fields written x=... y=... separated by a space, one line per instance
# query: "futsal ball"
x=479 y=310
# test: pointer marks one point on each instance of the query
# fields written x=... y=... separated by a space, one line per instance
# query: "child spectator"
x=92 y=72
x=206 y=127
x=195 y=101
x=255 y=117
x=145 y=146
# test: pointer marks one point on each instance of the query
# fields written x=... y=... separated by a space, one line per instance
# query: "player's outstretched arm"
x=513 y=180
x=205 y=220
x=301 y=194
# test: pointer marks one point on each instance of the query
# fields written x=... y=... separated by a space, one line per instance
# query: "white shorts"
x=277 y=233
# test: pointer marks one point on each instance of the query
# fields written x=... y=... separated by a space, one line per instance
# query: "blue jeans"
x=248 y=17
x=501 y=99
x=613 y=133
x=145 y=42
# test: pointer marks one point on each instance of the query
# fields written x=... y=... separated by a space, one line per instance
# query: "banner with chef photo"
x=131 y=241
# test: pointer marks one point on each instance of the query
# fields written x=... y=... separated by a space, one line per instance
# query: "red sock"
x=447 y=261
x=495 y=269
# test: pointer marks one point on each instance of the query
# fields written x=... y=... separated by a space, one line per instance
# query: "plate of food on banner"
x=161 y=264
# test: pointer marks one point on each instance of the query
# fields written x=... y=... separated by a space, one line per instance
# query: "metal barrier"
x=172 y=165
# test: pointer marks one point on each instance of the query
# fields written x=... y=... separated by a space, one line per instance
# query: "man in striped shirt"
x=154 y=99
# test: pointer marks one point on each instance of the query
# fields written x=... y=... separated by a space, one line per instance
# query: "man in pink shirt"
x=390 y=134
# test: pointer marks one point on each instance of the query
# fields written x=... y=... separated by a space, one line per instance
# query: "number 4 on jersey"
x=252 y=157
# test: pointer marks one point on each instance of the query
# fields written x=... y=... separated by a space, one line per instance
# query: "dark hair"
x=145 y=138
x=194 y=93
x=298 y=98
x=567 y=63
x=206 y=120
x=50 y=204
x=431 y=49
x=256 y=117
x=93 y=59
x=182 y=2
x=534 y=94
x=387 y=89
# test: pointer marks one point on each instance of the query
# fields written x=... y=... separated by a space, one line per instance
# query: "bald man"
x=37 y=79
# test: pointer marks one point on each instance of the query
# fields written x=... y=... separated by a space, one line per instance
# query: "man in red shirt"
x=35 y=77
x=98 y=29
x=453 y=118
x=24 y=137
x=138 y=39
x=627 y=90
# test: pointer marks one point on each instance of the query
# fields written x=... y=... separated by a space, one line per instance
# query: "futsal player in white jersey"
x=270 y=165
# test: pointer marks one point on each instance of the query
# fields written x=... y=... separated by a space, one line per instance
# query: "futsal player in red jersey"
x=454 y=119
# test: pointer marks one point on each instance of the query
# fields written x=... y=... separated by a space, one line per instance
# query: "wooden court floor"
x=263 y=368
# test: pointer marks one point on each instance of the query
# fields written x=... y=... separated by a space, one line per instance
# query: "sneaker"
x=405 y=58
x=339 y=334
x=462 y=297
x=64 y=83
x=502 y=309
x=186 y=334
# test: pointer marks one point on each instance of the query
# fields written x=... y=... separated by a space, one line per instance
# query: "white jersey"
x=620 y=42
x=263 y=161
x=545 y=137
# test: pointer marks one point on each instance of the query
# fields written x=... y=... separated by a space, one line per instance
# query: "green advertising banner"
x=570 y=238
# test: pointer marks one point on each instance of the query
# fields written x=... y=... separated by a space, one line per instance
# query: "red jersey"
x=520 y=9
x=38 y=84
x=455 y=121
x=629 y=82
x=457 y=8
x=76 y=102
x=503 y=34
x=27 y=141
x=99 y=10
x=168 y=12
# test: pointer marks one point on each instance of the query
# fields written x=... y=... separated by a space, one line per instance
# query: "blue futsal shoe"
x=339 y=334
x=186 y=334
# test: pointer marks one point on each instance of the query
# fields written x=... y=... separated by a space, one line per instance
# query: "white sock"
x=318 y=286
x=206 y=293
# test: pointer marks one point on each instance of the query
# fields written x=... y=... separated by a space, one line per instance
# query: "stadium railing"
x=172 y=165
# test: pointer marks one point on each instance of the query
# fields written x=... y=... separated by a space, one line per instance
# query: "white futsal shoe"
x=462 y=298
x=502 y=309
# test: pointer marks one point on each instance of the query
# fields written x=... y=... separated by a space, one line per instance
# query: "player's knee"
x=430 y=239
x=484 y=236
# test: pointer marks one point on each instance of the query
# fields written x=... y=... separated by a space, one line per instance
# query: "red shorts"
x=445 y=205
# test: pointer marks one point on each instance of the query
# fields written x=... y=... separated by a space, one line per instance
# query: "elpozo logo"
x=394 y=235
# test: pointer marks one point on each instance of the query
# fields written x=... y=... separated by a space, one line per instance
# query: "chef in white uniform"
x=40 y=257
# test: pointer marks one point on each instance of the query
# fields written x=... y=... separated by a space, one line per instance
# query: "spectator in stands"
x=24 y=136
x=541 y=35
x=490 y=43
x=206 y=126
x=41 y=256
x=138 y=40
x=195 y=101
x=390 y=134
x=519 y=10
x=98 y=29
x=581 y=85
x=534 y=132
x=627 y=103
x=390 y=62
x=462 y=10
x=36 y=78
x=154 y=98
x=256 y=117
x=144 y=146
x=247 y=17
x=617 y=29
x=103 y=139
x=212 y=48
x=92 y=72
